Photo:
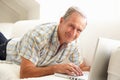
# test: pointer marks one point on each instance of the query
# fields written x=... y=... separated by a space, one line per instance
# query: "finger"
x=76 y=69
x=79 y=70
x=70 y=73
x=73 y=69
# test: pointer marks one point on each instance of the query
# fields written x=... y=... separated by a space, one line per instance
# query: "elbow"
x=25 y=73
x=22 y=76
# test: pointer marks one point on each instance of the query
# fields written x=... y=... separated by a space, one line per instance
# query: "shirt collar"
x=54 y=37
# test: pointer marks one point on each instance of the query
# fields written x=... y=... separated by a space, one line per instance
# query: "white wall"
x=103 y=20
x=96 y=10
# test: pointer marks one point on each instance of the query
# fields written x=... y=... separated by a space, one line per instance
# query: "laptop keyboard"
x=84 y=77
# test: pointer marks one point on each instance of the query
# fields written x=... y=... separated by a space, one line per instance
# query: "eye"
x=72 y=26
x=78 y=30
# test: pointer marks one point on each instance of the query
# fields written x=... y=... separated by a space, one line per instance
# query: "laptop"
x=100 y=63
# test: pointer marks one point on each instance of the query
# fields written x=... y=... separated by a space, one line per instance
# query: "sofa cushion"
x=6 y=29
x=9 y=71
x=21 y=27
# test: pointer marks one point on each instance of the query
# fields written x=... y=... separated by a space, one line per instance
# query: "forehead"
x=76 y=19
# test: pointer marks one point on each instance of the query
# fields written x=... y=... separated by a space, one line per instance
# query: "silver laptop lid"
x=101 y=59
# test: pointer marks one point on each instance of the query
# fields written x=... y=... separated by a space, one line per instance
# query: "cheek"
x=65 y=29
x=68 y=29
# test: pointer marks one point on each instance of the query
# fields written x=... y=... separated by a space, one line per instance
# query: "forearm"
x=36 y=71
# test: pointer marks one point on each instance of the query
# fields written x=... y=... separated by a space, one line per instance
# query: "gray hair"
x=72 y=10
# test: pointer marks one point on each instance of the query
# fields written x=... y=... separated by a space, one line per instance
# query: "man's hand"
x=70 y=69
x=84 y=67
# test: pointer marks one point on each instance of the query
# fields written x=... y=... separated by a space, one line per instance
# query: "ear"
x=61 y=19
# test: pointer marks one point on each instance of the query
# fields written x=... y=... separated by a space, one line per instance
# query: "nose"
x=74 y=32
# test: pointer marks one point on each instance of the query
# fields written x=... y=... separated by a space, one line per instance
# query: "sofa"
x=88 y=43
x=17 y=29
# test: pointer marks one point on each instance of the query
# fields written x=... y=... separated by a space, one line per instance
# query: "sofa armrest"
x=6 y=29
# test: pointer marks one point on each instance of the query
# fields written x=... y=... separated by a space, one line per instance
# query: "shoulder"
x=42 y=30
x=46 y=26
x=42 y=33
x=45 y=29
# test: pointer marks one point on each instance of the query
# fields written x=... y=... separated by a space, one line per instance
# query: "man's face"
x=71 y=27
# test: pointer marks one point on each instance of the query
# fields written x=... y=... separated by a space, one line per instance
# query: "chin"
x=69 y=41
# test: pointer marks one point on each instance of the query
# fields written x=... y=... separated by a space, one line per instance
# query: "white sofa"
x=88 y=39
x=13 y=30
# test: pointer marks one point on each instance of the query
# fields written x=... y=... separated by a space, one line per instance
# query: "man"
x=43 y=51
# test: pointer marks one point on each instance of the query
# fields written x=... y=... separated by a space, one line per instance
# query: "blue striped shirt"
x=41 y=46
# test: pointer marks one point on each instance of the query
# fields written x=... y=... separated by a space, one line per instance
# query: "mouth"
x=68 y=36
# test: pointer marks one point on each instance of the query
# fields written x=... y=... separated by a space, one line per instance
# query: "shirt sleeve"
x=28 y=47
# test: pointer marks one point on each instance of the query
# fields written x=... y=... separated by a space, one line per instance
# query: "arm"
x=28 y=69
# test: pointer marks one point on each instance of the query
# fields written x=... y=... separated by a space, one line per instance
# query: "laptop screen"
x=101 y=59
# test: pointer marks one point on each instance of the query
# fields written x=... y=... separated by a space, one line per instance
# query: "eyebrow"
x=77 y=28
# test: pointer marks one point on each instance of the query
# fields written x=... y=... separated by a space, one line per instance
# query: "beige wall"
x=15 y=10
x=6 y=14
